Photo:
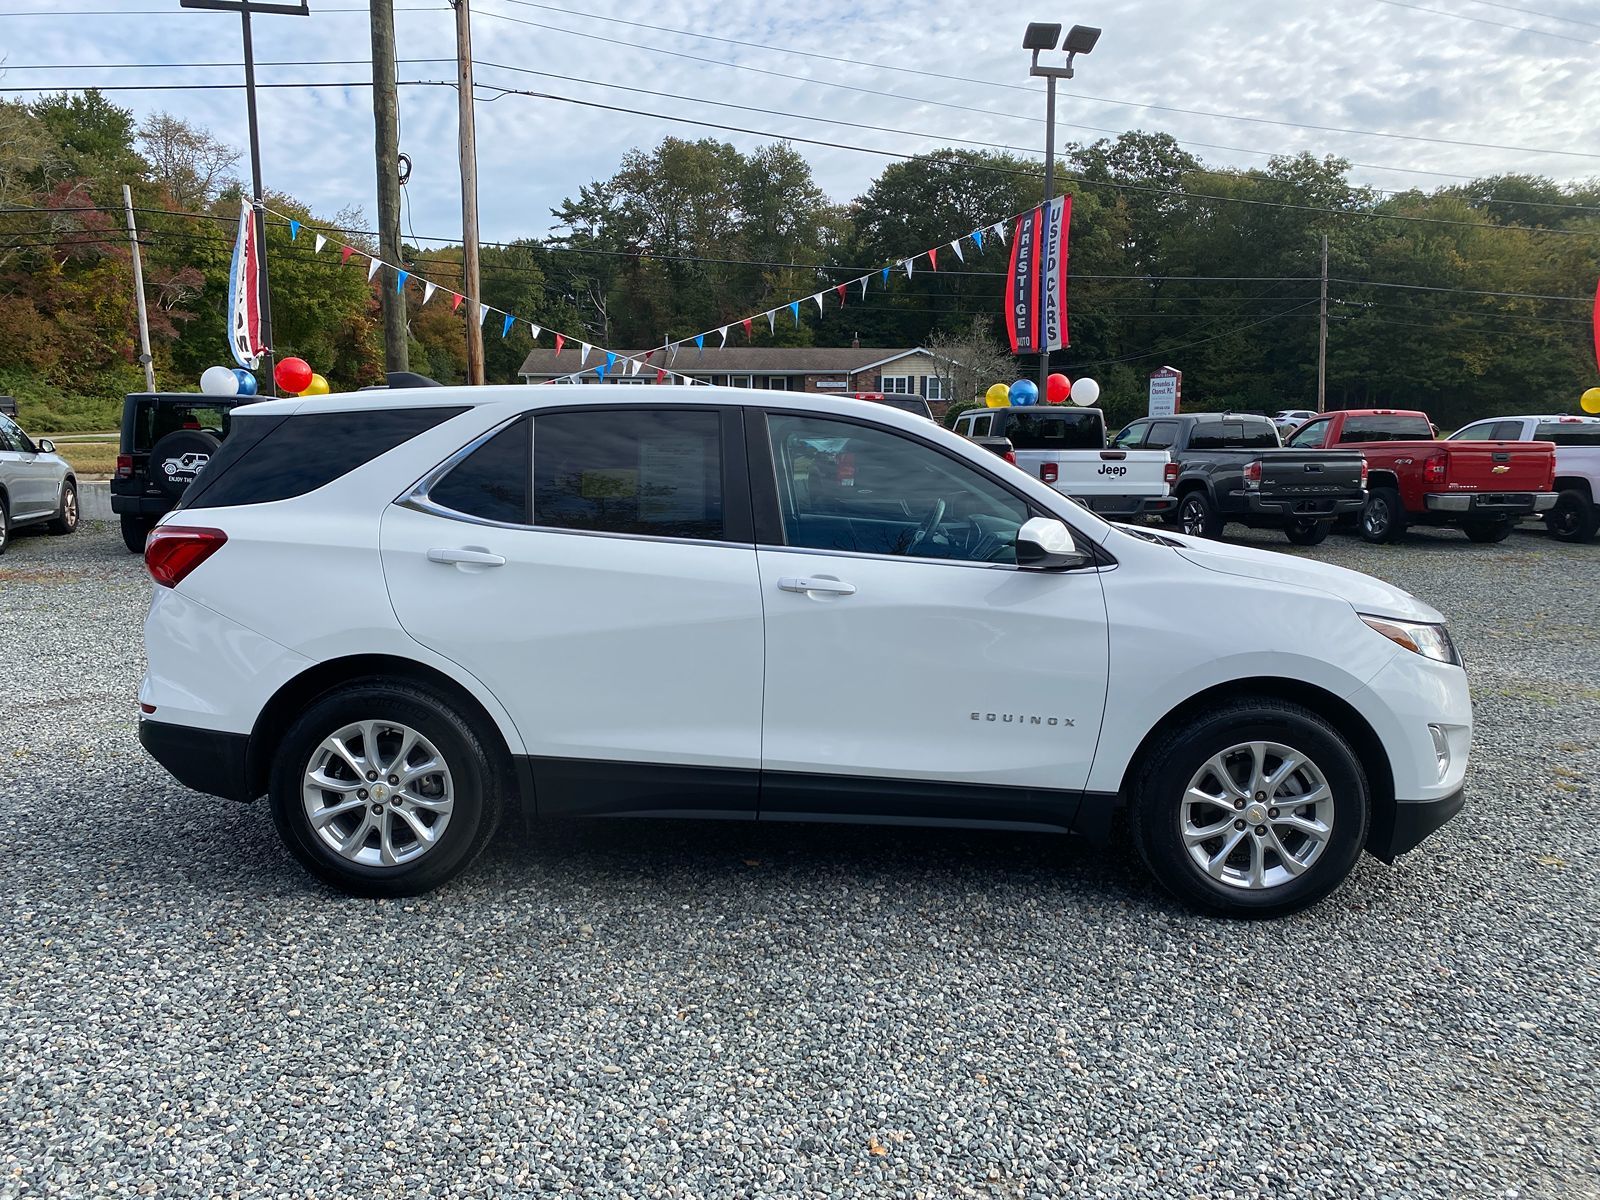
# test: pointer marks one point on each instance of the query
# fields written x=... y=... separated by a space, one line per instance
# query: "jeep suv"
x=403 y=617
x=166 y=438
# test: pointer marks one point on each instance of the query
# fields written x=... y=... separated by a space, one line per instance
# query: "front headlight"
x=1430 y=641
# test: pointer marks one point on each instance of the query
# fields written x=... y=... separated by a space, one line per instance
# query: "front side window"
x=491 y=483
x=1131 y=437
x=640 y=471
x=10 y=435
x=981 y=425
x=1164 y=434
x=855 y=488
x=1311 y=435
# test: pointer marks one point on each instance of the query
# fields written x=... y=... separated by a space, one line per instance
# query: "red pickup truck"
x=1415 y=479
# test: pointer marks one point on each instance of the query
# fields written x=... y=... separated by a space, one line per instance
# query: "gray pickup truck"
x=1232 y=468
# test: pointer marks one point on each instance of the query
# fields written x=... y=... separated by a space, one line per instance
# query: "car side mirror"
x=1045 y=544
x=46 y=446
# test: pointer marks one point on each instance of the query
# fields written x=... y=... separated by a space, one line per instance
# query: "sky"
x=1508 y=75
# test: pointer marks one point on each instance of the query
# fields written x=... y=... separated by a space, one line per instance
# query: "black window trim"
x=737 y=523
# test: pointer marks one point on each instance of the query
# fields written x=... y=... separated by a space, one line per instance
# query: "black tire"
x=1308 y=532
x=5 y=525
x=476 y=781
x=1488 y=531
x=1574 y=518
x=1384 y=517
x=66 y=518
x=177 y=458
x=134 y=532
x=1157 y=810
x=1197 y=517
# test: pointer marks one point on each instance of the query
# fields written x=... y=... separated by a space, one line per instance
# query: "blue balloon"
x=1024 y=392
x=247 y=381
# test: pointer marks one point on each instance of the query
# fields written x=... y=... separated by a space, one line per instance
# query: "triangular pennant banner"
x=724 y=332
x=344 y=254
x=483 y=313
x=842 y=294
x=561 y=341
x=864 y=279
x=505 y=328
x=428 y=289
x=910 y=265
x=956 y=246
x=886 y=275
x=455 y=303
x=794 y=307
x=672 y=351
x=999 y=228
x=600 y=370
x=537 y=330
x=700 y=342
x=400 y=281
x=661 y=375
x=372 y=268
x=772 y=320
x=977 y=238
x=746 y=323
x=320 y=243
x=611 y=360
x=583 y=356
x=933 y=258
x=294 y=230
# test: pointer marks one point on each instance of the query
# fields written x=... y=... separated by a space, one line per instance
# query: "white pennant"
x=724 y=332
x=428 y=289
x=864 y=279
x=321 y=242
x=1000 y=231
x=537 y=330
x=956 y=246
x=483 y=313
x=583 y=358
x=372 y=268
x=818 y=299
x=772 y=320
x=674 y=349
x=910 y=265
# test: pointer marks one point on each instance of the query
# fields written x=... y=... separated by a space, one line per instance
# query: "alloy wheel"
x=378 y=793
x=1375 y=520
x=1257 y=816
x=1193 y=520
x=69 y=507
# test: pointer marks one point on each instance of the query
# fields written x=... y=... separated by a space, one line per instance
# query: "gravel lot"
x=728 y=1010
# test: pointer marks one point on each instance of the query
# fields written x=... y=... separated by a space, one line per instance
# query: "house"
x=824 y=370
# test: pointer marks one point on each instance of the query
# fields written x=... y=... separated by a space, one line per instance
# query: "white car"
x=404 y=615
x=37 y=485
x=1576 y=515
x=1289 y=419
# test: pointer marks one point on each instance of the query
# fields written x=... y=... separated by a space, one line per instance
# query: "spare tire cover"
x=177 y=458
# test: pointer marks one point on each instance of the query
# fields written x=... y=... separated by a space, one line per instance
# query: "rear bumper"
x=206 y=760
x=1119 y=508
x=1303 y=508
x=140 y=506
x=1491 y=504
x=1405 y=824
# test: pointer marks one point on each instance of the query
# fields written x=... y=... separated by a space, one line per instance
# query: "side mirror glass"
x=46 y=446
x=1045 y=544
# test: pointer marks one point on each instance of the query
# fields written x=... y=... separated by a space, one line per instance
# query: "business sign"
x=1166 y=392
x=1036 y=283
x=1053 y=266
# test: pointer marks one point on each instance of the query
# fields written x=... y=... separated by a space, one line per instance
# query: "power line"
x=1532 y=13
x=1105 y=362
x=1440 y=12
x=1422 y=287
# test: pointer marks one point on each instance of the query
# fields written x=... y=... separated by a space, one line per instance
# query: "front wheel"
x=382 y=788
x=1197 y=517
x=1306 y=532
x=5 y=525
x=66 y=518
x=1256 y=809
x=1488 y=531
x=1574 y=518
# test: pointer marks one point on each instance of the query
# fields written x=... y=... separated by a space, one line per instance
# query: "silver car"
x=36 y=484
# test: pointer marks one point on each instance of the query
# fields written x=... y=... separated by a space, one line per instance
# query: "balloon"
x=1590 y=400
x=219 y=381
x=1024 y=392
x=998 y=395
x=247 y=381
x=317 y=387
x=293 y=375
x=1057 y=388
x=1085 y=392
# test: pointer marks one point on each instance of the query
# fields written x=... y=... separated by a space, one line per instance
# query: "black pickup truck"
x=1231 y=467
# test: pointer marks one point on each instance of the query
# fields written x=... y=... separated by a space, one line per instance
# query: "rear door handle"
x=478 y=558
x=823 y=586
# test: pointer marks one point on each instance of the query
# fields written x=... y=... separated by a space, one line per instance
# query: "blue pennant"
x=294 y=230
x=611 y=360
x=886 y=274
x=505 y=330
x=400 y=281
x=977 y=236
x=700 y=342
x=794 y=307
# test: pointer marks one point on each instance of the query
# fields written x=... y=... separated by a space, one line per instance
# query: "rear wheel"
x=1574 y=518
x=1488 y=531
x=383 y=788
x=5 y=525
x=1307 y=532
x=1383 y=519
x=134 y=532
x=1257 y=809
x=1196 y=516
x=66 y=518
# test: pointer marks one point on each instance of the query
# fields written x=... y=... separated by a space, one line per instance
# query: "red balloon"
x=1057 y=389
x=293 y=375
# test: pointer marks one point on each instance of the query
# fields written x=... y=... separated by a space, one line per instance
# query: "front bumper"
x=206 y=760
x=1491 y=504
x=1403 y=825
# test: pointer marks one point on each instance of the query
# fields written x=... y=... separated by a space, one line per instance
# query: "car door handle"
x=829 y=587
x=477 y=558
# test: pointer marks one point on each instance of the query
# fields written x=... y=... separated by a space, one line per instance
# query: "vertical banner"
x=1022 y=285
x=244 y=293
x=1053 y=269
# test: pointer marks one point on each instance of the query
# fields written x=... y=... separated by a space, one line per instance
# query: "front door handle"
x=817 y=585
x=477 y=558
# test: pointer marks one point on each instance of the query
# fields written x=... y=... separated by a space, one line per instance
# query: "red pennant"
x=456 y=303
x=647 y=356
x=344 y=255
x=841 y=291
x=746 y=323
x=661 y=375
x=933 y=258
x=561 y=340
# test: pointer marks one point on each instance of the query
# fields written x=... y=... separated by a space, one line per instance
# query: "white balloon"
x=219 y=381
x=1085 y=392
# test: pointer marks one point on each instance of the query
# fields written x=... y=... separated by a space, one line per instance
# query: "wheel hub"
x=378 y=793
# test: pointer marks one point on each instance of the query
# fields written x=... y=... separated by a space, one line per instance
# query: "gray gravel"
x=726 y=1010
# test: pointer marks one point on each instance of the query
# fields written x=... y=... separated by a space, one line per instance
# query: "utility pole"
x=138 y=294
x=1049 y=195
x=244 y=8
x=386 y=119
x=469 y=192
x=1322 y=335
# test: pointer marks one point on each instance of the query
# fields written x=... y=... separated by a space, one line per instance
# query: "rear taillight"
x=1010 y=457
x=1252 y=474
x=1049 y=472
x=1433 y=471
x=124 y=466
x=1170 y=473
x=1363 y=473
x=171 y=552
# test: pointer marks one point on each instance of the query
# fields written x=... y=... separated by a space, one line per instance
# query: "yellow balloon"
x=1590 y=400
x=998 y=396
x=319 y=387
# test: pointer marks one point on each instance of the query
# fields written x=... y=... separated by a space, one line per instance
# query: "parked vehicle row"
x=1575 y=516
x=37 y=485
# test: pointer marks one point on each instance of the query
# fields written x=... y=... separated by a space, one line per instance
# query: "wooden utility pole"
x=469 y=193
x=1322 y=335
x=386 y=120
x=138 y=293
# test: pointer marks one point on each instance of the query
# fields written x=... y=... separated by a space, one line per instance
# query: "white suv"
x=400 y=614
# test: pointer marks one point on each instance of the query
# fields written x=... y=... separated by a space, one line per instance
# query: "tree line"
x=1464 y=300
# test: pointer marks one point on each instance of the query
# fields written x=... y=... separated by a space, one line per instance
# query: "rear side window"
x=655 y=473
x=1055 y=430
x=1207 y=435
x=1250 y=435
x=1386 y=428
x=980 y=426
x=303 y=452
x=492 y=482
x=1568 y=433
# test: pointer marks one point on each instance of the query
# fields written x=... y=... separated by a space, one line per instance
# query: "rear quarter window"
x=1568 y=433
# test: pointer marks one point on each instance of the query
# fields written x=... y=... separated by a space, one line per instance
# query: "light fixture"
x=1041 y=36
